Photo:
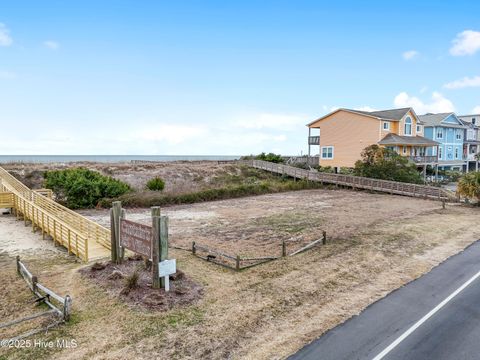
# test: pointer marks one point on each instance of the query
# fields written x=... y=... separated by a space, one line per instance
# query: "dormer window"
x=408 y=126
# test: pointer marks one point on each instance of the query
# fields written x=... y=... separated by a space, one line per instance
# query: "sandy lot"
x=256 y=226
x=379 y=242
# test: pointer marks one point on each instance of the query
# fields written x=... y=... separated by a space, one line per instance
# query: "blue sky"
x=222 y=77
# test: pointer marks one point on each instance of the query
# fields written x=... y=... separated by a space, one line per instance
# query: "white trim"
x=386 y=123
x=405 y=125
x=326 y=147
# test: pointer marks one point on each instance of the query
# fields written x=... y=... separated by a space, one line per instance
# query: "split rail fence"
x=64 y=226
x=59 y=307
x=357 y=182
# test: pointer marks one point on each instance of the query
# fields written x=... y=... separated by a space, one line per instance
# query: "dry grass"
x=267 y=312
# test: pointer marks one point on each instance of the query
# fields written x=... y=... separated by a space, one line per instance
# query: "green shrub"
x=325 y=169
x=469 y=185
x=82 y=188
x=386 y=164
x=156 y=184
x=275 y=158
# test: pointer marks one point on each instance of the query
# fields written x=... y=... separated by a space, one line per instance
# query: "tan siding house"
x=344 y=133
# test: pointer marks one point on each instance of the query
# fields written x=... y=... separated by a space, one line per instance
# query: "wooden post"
x=443 y=204
x=67 y=305
x=34 y=283
x=113 y=246
x=121 y=248
x=324 y=238
x=115 y=215
x=194 y=251
x=237 y=263
x=155 y=246
x=18 y=264
x=163 y=244
x=284 y=248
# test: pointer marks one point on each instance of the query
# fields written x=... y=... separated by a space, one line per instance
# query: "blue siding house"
x=449 y=131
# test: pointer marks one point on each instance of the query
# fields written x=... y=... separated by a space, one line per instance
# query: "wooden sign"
x=165 y=269
x=136 y=237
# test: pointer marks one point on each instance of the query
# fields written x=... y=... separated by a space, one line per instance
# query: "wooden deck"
x=357 y=182
x=79 y=235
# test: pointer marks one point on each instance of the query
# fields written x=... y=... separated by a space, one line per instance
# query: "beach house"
x=449 y=131
x=344 y=133
x=471 y=142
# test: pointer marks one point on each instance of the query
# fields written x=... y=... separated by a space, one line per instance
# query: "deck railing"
x=65 y=226
x=391 y=187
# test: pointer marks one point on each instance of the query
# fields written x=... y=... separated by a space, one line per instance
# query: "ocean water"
x=110 y=158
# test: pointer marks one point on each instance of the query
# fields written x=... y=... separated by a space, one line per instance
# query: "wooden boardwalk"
x=79 y=235
x=357 y=182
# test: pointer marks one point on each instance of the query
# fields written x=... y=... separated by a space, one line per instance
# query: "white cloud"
x=463 y=83
x=424 y=89
x=438 y=103
x=410 y=55
x=5 y=38
x=466 y=43
x=270 y=121
x=53 y=45
x=7 y=75
x=365 y=108
x=476 y=110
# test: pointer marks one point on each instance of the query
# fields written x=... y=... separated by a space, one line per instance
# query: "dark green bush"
x=275 y=158
x=156 y=184
x=82 y=188
x=386 y=164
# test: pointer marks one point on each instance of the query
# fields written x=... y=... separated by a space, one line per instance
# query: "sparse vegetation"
x=83 y=188
x=156 y=184
x=275 y=158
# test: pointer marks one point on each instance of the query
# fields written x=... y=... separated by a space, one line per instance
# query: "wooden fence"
x=59 y=307
x=66 y=227
x=237 y=262
x=357 y=182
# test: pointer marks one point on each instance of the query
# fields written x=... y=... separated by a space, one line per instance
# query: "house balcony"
x=314 y=140
x=422 y=159
x=470 y=157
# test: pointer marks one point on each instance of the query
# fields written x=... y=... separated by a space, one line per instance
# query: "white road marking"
x=425 y=318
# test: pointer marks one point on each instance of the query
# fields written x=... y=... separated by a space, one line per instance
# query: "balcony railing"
x=422 y=159
x=314 y=140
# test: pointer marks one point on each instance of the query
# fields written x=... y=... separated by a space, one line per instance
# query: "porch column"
x=309 y=134
x=436 y=172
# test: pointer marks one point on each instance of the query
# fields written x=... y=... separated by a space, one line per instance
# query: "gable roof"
x=437 y=119
x=389 y=115
x=392 y=114
x=394 y=139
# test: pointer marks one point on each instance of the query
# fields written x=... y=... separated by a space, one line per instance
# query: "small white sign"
x=167 y=268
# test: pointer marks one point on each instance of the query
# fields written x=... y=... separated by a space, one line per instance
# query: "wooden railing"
x=65 y=226
x=423 y=159
x=391 y=187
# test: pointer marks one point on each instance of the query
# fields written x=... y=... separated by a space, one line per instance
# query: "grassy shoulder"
x=240 y=181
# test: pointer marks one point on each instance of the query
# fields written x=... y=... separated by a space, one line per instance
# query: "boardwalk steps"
x=66 y=227
x=357 y=182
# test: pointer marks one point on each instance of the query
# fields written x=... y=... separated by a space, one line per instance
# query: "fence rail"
x=357 y=182
x=66 y=227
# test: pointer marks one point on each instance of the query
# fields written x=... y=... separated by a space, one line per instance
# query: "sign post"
x=155 y=246
x=165 y=269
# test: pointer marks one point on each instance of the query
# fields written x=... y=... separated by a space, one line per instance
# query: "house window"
x=440 y=133
x=419 y=128
x=327 y=152
x=404 y=150
x=386 y=125
x=474 y=120
x=459 y=135
x=456 y=153
x=440 y=152
x=408 y=126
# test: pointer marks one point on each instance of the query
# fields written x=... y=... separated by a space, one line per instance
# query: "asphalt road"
x=434 y=317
